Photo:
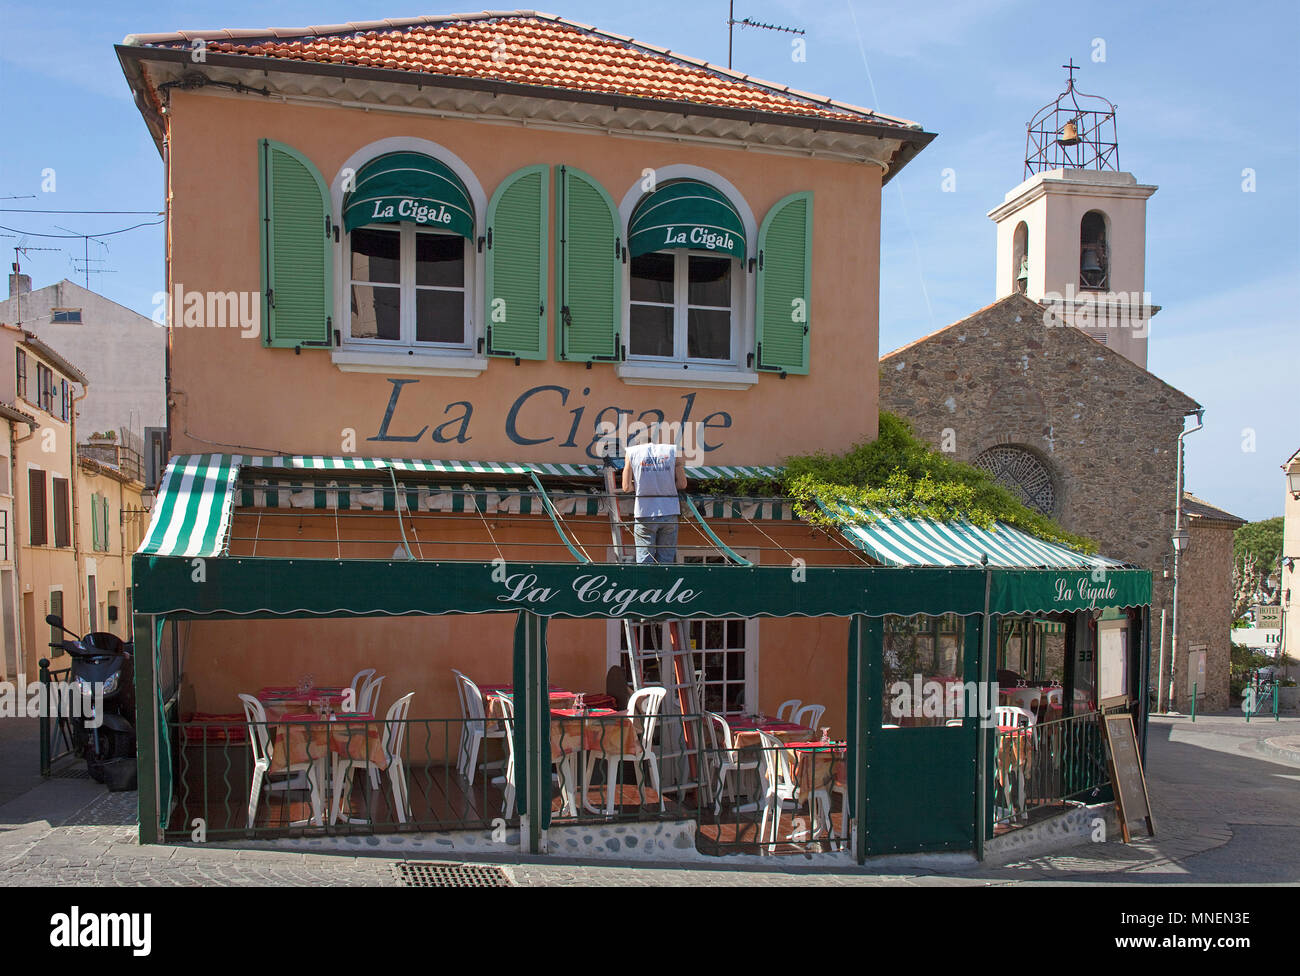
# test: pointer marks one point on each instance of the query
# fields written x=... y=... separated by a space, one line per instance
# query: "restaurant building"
x=479 y=251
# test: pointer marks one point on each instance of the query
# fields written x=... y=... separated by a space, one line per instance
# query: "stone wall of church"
x=1105 y=429
x=1205 y=614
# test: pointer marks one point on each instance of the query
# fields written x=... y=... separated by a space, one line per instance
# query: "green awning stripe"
x=926 y=542
x=686 y=214
x=411 y=187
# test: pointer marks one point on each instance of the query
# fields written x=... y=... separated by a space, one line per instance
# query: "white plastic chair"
x=259 y=739
x=1012 y=716
x=643 y=709
x=726 y=759
x=809 y=716
x=475 y=726
x=785 y=711
x=565 y=768
x=358 y=686
x=781 y=790
x=368 y=699
x=394 y=733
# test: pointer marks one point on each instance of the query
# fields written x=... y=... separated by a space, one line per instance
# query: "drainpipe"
x=1178 y=522
x=74 y=478
x=32 y=428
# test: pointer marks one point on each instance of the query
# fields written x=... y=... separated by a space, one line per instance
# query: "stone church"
x=1047 y=388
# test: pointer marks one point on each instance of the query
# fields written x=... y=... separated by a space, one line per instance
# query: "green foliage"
x=901 y=474
x=1262 y=540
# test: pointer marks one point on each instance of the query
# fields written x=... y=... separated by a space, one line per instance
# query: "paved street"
x=1225 y=797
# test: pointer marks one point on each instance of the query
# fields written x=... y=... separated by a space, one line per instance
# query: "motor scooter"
x=104 y=732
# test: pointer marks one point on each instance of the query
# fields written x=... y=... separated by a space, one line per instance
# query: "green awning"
x=407 y=186
x=927 y=542
x=686 y=214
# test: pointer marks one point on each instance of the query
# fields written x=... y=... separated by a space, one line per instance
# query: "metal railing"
x=54 y=729
x=338 y=777
x=1040 y=768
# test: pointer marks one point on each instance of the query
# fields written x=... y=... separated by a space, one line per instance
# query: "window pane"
x=440 y=260
x=710 y=282
x=652 y=278
x=439 y=316
x=708 y=334
x=376 y=256
x=375 y=312
x=651 y=330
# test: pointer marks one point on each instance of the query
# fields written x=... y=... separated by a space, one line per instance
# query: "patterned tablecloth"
x=599 y=730
x=745 y=729
x=312 y=736
x=819 y=765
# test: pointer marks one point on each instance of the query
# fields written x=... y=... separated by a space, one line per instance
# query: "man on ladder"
x=656 y=472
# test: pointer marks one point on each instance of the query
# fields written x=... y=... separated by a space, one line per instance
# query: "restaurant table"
x=602 y=731
x=745 y=729
x=820 y=767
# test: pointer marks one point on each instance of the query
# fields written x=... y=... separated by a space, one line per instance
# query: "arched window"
x=1020 y=258
x=1094 y=251
x=1019 y=470
x=410 y=225
x=687 y=242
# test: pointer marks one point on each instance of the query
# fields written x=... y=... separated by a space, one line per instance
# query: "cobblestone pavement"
x=1226 y=812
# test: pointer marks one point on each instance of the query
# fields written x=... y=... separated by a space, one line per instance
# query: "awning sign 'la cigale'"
x=533 y=419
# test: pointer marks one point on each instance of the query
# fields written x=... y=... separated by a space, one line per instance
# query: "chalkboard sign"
x=1126 y=774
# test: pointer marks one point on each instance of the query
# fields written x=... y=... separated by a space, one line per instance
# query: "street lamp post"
x=1181 y=539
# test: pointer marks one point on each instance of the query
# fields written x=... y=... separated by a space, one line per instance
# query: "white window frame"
x=614 y=628
x=421 y=359
x=681 y=313
x=407 y=293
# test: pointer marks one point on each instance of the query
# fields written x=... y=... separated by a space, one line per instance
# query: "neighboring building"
x=1073 y=234
x=1203 y=660
x=18 y=426
x=55 y=539
x=1290 y=587
x=125 y=353
x=1077 y=428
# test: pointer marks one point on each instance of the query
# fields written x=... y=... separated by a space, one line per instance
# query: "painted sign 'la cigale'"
x=546 y=414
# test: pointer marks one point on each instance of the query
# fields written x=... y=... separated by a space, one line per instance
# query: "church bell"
x=1090 y=264
x=1069 y=134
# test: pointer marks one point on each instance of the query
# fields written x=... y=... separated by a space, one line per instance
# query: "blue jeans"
x=656 y=538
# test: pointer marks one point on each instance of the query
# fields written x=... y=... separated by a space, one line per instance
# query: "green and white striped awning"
x=686 y=214
x=927 y=542
x=409 y=186
x=199 y=492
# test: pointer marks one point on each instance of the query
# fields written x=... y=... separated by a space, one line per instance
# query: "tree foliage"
x=1257 y=564
x=901 y=474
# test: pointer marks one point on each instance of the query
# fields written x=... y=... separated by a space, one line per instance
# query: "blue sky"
x=1204 y=91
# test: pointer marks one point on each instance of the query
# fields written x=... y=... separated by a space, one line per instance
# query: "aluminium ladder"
x=673 y=657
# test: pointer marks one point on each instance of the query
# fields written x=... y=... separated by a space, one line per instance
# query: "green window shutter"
x=785 y=285
x=589 y=272
x=516 y=266
x=296 y=232
x=94 y=522
x=103 y=500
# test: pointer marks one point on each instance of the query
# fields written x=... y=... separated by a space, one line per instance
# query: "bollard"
x=44 y=724
x=1275 y=716
x=1193 y=701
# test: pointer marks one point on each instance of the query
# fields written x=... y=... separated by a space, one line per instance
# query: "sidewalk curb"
x=1273 y=748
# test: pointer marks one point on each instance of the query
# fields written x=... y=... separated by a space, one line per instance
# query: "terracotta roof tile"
x=530 y=49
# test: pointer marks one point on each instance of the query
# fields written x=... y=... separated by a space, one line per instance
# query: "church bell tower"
x=1073 y=234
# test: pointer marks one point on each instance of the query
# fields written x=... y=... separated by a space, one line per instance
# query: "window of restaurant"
x=923 y=668
x=725 y=652
x=683 y=306
x=408 y=286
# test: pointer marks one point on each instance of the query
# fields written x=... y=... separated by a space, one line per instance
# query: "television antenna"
x=86 y=260
x=733 y=23
x=23 y=248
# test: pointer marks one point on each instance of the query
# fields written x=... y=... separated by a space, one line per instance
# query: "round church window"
x=1020 y=471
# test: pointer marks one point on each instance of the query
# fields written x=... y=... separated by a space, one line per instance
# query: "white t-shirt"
x=654 y=473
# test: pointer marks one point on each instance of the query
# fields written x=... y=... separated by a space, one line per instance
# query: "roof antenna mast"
x=732 y=22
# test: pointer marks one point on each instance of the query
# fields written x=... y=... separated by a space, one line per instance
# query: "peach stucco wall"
x=232 y=394
x=231 y=391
